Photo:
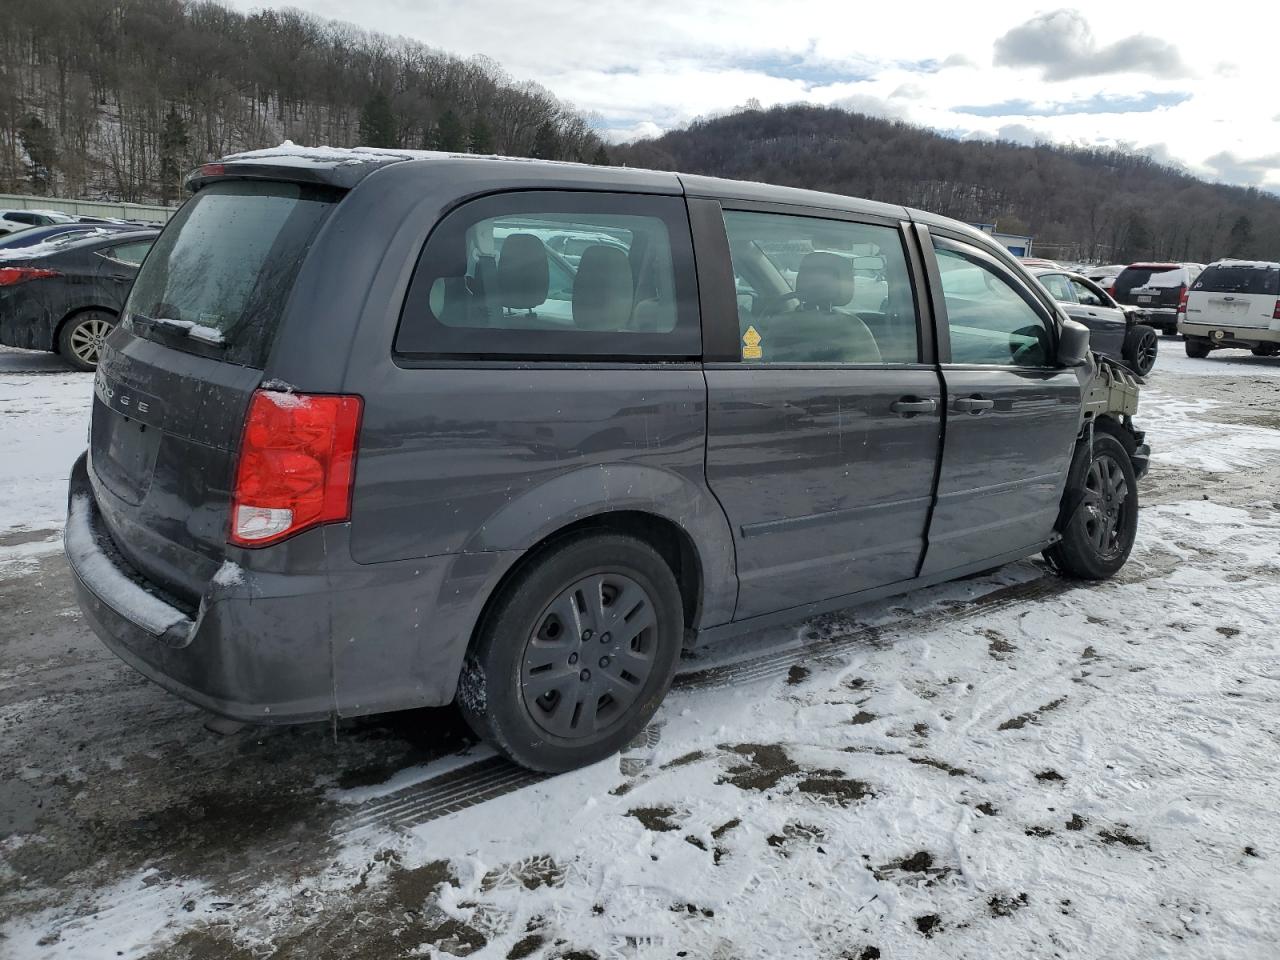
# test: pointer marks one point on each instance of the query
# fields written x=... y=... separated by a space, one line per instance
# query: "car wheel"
x=1141 y=344
x=1266 y=350
x=575 y=656
x=1100 y=511
x=81 y=338
x=1198 y=347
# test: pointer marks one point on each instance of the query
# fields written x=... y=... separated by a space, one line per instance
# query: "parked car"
x=32 y=236
x=1113 y=330
x=1155 y=290
x=36 y=218
x=1234 y=303
x=10 y=227
x=1032 y=263
x=64 y=294
x=346 y=457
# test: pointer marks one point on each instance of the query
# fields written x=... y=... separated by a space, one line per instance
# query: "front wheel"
x=1198 y=347
x=576 y=654
x=1100 y=511
x=81 y=338
x=1141 y=344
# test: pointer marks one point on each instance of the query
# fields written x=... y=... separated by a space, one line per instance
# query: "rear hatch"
x=174 y=383
x=1240 y=294
x=1151 y=286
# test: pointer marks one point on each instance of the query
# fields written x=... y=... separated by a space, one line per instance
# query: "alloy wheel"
x=87 y=337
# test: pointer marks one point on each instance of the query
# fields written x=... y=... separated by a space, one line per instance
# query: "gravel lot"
x=1012 y=763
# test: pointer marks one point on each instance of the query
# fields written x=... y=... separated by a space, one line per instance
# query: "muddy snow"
x=1010 y=765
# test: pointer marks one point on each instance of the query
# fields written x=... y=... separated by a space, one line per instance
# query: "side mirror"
x=1073 y=344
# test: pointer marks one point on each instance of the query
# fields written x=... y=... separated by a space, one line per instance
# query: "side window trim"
x=942 y=322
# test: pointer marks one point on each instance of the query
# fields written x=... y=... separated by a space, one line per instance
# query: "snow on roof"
x=354 y=155
x=1252 y=264
x=65 y=241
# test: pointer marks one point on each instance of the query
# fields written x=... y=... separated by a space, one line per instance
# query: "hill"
x=1080 y=204
x=119 y=98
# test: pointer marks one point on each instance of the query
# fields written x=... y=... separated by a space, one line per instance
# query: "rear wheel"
x=1141 y=344
x=1266 y=350
x=81 y=338
x=1100 y=512
x=1198 y=347
x=576 y=655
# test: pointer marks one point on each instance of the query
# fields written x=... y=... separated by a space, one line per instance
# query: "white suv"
x=1233 y=303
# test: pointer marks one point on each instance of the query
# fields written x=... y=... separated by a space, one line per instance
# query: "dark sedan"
x=37 y=235
x=64 y=294
x=1113 y=331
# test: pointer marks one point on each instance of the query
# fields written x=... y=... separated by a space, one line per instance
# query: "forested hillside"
x=118 y=98
x=1097 y=205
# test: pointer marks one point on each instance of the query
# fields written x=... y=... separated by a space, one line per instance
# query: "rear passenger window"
x=811 y=290
x=558 y=275
x=989 y=320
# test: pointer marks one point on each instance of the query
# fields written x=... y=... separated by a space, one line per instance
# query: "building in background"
x=1019 y=246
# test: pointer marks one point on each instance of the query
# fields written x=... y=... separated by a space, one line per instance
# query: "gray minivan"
x=363 y=442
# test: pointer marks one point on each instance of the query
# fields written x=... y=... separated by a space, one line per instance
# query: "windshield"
x=1240 y=278
x=224 y=267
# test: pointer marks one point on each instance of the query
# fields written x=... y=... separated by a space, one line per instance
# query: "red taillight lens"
x=1111 y=291
x=1275 y=314
x=297 y=464
x=212 y=170
x=1183 y=295
x=11 y=275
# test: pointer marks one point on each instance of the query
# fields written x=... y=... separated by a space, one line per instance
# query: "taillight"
x=1183 y=295
x=1111 y=291
x=11 y=275
x=297 y=464
x=212 y=170
x=1275 y=314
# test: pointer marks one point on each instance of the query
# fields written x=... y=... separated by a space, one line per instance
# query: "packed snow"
x=1012 y=765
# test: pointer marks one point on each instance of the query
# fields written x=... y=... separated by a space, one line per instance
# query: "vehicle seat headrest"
x=824 y=280
x=603 y=291
x=523 y=273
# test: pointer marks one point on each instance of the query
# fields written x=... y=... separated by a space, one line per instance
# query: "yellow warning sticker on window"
x=751 y=345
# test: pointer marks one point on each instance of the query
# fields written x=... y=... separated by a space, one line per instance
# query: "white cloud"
x=657 y=65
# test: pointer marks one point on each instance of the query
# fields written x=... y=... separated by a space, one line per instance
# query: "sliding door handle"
x=974 y=404
x=910 y=406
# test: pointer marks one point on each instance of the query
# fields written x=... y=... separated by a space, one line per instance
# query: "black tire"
x=1099 y=518
x=562 y=605
x=81 y=337
x=1141 y=344
x=1198 y=347
x=1266 y=350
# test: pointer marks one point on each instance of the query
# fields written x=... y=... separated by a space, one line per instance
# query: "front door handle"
x=974 y=404
x=910 y=406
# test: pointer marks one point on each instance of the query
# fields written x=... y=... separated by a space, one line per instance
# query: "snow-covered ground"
x=1012 y=765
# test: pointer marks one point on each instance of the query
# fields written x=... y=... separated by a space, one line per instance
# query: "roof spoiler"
x=340 y=173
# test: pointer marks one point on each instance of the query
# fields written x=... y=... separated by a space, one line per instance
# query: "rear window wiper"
x=188 y=328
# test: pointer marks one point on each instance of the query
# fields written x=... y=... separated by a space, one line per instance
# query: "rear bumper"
x=1229 y=336
x=282 y=647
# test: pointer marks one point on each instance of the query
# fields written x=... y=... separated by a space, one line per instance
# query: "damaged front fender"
x=1110 y=401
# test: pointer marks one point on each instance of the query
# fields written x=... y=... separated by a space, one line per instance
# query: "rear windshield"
x=1133 y=277
x=217 y=279
x=1240 y=278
